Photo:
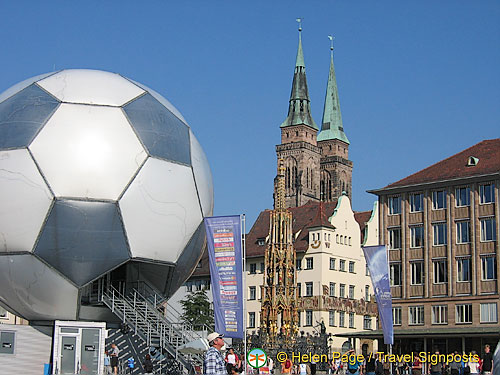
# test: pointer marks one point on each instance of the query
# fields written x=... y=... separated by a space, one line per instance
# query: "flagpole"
x=244 y=278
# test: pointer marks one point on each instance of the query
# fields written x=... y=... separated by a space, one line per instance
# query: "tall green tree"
x=197 y=310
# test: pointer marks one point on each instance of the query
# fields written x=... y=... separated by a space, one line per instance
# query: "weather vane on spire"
x=331 y=37
x=299 y=20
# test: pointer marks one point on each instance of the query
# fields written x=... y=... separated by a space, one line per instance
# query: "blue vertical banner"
x=376 y=259
x=225 y=254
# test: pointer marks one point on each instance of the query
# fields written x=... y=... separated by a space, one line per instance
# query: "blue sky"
x=418 y=80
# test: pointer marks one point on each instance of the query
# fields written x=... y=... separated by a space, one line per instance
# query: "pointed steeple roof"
x=299 y=109
x=331 y=127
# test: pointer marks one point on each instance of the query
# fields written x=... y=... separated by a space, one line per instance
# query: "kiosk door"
x=68 y=352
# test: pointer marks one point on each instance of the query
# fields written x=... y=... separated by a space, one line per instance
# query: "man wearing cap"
x=214 y=363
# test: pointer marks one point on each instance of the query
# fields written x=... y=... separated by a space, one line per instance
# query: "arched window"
x=341 y=240
x=337 y=238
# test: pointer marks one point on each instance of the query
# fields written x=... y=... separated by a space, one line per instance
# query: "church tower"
x=336 y=168
x=299 y=148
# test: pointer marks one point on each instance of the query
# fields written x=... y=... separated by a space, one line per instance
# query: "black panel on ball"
x=83 y=240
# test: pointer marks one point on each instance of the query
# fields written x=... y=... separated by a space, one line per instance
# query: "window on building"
x=463 y=231
x=341 y=318
x=309 y=263
x=299 y=318
x=262 y=267
x=331 y=318
x=395 y=274
x=488 y=313
x=440 y=314
x=342 y=291
x=251 y=320
x=299 y=290
x=309 y=289
x=342 y=265
x=464 y=269
x=298 y=264
x=309 y=318
x=261 y=241
x=394 y=238
x=252 y=295
x=367 y=292
x=396 y=316
x=351 y=320
x=464 y=313
x=367 y=270
x=3 y=313
x=198 y=285
x=417 y=236
x=440 y=271
x=440 y=234
x=394 y=205
x=332 y=289
x=337 y=238
x=199 y=265
x=253 y=268
x=351 y=267
x=489 y=268
x=351 y=291
x=438 y=200
x=332 y=263
x=488 y=229
x=416 y=202
x=416 y=315
x=417 y=273
x=367 y=322
x=462 y=196
x=486 y=193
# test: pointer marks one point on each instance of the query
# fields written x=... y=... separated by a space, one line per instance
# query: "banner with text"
x=376 y=259
x=226 y=260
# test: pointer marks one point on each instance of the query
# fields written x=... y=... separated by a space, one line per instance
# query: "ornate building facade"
x=317 y=164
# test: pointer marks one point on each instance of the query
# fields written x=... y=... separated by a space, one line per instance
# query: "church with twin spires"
x=317 y=165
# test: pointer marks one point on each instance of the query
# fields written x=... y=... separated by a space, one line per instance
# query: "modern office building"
x=441 y=229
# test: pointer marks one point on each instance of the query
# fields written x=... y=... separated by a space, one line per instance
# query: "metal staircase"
x=140 y=311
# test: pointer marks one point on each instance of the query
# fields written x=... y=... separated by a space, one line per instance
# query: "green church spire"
x=331 y=127
x=299 y=109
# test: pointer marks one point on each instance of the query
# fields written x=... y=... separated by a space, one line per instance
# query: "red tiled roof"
x=303 y=218
x=362 y=218
x=487 y=151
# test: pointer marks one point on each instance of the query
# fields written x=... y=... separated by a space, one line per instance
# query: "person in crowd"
x=436 y=368
x=214 y=363
x=487 y=364
x=416 y=368
x=353 y=365
x=114 y=352
x=286 y=366
x=473 y=367
x=455 y=365
x=369 y=366
x=107 y=363
x=232 y=358
x=148 y=364
x=270 y=365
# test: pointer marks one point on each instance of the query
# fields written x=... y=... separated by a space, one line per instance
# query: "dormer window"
x=261 y=241
x=472 y=161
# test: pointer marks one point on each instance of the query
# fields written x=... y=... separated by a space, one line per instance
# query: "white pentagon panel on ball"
x=160 y=210
x=162 y=100
x=22 y=85
x=88 y=152
x=25 y=199
x=85 y=86
x=36 y=291
x=203 y=176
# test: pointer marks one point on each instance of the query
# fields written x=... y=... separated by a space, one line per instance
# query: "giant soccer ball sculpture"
x=98 y=173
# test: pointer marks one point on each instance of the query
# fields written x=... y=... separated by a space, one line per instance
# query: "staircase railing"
x=138 y=312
